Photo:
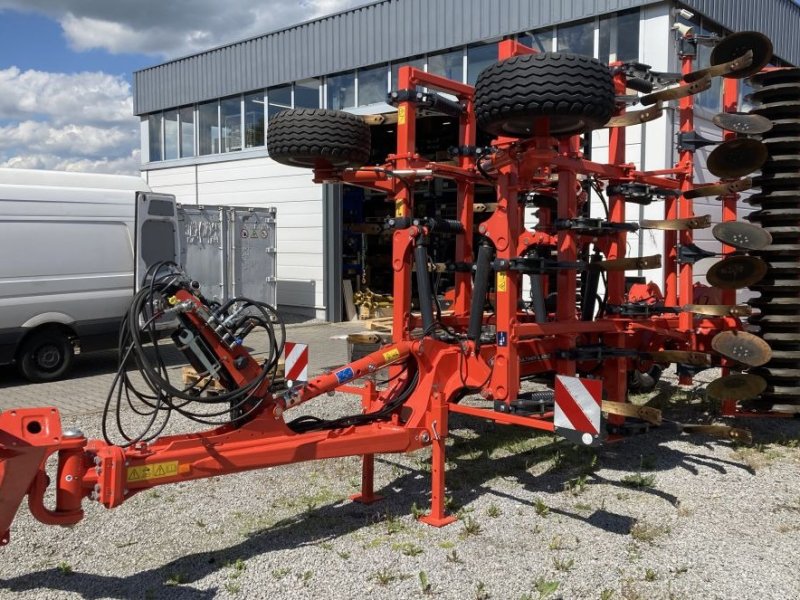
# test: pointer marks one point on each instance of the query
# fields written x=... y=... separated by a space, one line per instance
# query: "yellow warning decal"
x=154 y=471
x=502 y=281
x=401 y=115
x=391 y=355
x=399 y=209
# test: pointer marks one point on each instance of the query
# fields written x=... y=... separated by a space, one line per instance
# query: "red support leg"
x=438 y=516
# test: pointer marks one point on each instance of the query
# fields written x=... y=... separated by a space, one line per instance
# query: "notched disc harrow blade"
x=628 y=264
x=677 y=92
x=742 y=347
x=736 y=272
x=719 y=310
x=684 y=357
x=736 y=386
x=728 y=68
x=737 y=157
x=725 y=432
x=742 y=235
x=738 y=45
x=626 y=409
x=698 y=222
x=720 y=189
x=742 y=123
x=636 y=117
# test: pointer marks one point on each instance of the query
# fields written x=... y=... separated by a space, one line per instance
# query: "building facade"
x=204 y=117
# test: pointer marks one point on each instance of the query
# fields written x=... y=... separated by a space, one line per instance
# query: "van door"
x=157 y=232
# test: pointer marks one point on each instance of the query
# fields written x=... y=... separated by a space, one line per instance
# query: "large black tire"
x=45 y=355
x=318 y=138
x=576 y=94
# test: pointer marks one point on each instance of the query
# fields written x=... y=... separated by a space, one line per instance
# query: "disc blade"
x=698 y=222
x=736 y=386
x=736 y=272
x=741 y=235
x=775 y=77
x=738 y=45
x=719 y=310
x=742 y=123
x=720 y=189
x=742 y=347
x=737 y=157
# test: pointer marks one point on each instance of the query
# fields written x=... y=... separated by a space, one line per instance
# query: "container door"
x=157 y=233
x=203 y=238
x=253 y=254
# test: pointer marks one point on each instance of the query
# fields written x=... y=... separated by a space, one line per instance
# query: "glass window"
x=231 y=124
x=373 y=85
x=279 y=98
x=171 y=134
x=619 y=37
x=154 y=123
x=342 y=91
x=478 y=58
x=417 y=63
x=254 y=120
x=541 y=41
x=207 y=128
x=306 y=93
x=577 y=38
x=712 y=97
x=187 y=131
x=448 y=64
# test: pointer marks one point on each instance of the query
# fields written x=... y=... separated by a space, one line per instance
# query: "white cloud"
x=174 y=27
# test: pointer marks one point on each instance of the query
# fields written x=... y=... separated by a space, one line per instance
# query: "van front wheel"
x=45 y=355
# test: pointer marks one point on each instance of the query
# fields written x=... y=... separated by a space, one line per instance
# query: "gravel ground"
x=656 y=516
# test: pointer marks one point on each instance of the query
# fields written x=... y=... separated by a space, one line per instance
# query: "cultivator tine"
x=743 y=123
x=481 y=207
x=737 y=387
x=737 y=272
x=726 y=68
x=743 y=236
x=677 y=92
x=684 y=357
x=698 y=222
x=628 y=264
x=720 y=189
x=719 y=310
x=626 y=409
x=637 y=117
x=736 y=158
x=742 y=347
x=725 y=432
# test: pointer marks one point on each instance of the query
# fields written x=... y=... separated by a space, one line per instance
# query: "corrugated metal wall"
x=780 y=20
x=394 y=29
x=371 y=34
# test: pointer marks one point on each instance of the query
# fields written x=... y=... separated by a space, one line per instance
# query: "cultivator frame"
x=487 y=354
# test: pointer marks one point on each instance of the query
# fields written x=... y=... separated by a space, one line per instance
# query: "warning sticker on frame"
x=502 y=281
x=154 y=471
x=391 y=355
x=401 y=115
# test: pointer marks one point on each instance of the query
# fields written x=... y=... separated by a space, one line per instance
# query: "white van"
x=66 y=265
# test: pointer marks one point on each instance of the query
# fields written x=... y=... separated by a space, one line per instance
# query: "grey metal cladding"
x=394 y=29
x=779 y=19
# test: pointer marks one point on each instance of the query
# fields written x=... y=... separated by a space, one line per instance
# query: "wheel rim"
x=48 y=357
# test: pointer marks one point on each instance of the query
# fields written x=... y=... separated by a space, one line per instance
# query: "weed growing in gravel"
x=577 y=485
x=650 y=574
x=424 y=584
x=493 y=511
x=639 y=481
x=386 y=576
x=563 y=564
x=545 y=588
x=557 y=543
x=343 y=554
x=583 y=507
x=447 y=544
x=232 y=587
x=453 y=557
x=416 y=511
x=481 y=593
x=280 y=573
x=177 y=579
x=607 y=594
x=64 y=568
x=408 y=548
x=683 y=510
x=646 y=532
x=541 y=508
x=306 y=577
x=471 y=527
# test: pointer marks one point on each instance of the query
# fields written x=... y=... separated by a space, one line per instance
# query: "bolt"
x=370 y=367
x=425 y=437
x=98 y=460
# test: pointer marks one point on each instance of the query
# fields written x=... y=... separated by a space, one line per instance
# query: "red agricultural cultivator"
x=548 y=302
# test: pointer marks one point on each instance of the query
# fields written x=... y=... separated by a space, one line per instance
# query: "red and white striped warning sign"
x=577 y=414
x=296 y=362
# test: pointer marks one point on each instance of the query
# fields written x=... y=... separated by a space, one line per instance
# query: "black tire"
x=45 y=355
x=318 y=138
x=576 y=93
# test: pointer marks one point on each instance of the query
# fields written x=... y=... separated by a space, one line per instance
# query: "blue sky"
x=66 y=68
